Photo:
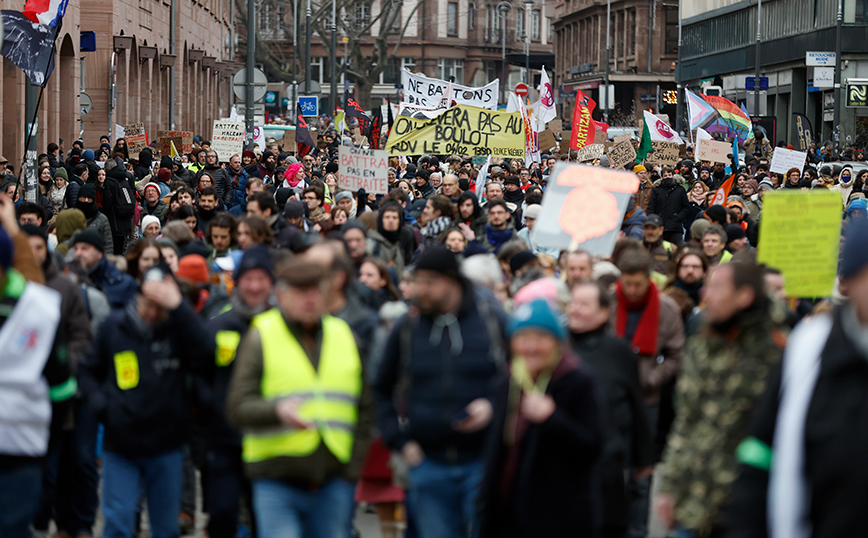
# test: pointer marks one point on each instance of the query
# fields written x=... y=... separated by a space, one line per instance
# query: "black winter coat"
x=670 y=202
x=629 y=443
x=836 y=441
x=134 y=379
x=554 y=491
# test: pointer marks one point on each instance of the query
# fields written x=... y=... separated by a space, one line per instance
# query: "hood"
x=636 y=219
x=68 y=222
x=852 y=176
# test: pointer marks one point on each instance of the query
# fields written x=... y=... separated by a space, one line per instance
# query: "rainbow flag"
x=732 y=117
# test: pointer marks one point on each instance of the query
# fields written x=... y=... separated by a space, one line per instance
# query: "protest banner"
x=583 y=208
x=584 y=130
x=547 y=140
x=137 y=139
x=621 y=154
x=427 y=92
x=710 y=150
x=183 y=141
x=800 y=236
x=665 y=153
x=783 y=159
x=227 y=139
x=556 y=126
x=461 y=130
x=366 y=169
x=600 y=137
x=590 y=153
x=622 y=138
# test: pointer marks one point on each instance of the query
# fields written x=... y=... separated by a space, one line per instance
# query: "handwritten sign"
x=227 y=139
x=622 y=138
x=590 y=153
x=600 y=136
x=663 y=153
x=366 y=169
x=183 y=141
x=424 y=91
x=583 y=208
x=621 y=154
x=799 y=235
x=710 y=150
x=556 y=126
x=783 y=159
x=547 y=140
x=137 y=139
x=461 y=130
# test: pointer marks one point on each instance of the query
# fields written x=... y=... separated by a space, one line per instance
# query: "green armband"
x=755 y=453
x=64 y=391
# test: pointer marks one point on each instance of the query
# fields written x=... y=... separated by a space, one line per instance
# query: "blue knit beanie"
x=87 y=154
x=538 y=315
x=855 y=256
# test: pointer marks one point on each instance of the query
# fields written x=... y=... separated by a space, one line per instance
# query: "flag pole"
x=31 y=141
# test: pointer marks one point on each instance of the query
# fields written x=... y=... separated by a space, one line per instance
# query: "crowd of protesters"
x=313 y=351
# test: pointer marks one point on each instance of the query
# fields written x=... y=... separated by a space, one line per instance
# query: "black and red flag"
x=353 y=110
x=376 y=128
x=302 y=134
x=390 y=120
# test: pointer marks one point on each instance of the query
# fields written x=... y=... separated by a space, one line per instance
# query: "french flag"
x=48 y=12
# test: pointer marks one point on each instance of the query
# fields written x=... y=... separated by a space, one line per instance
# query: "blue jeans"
x=285 y=511
x=442 y=498
x=223 y=483
x=123 y=478
x=20 y=492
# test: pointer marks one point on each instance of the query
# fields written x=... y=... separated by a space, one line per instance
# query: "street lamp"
x=528 y=4
x=503 y=8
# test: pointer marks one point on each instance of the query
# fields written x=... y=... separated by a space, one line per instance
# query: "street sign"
x=824 y=77
x=521 y=89
x=86 y=103
x=239 y=84
x=309 y=105
x=750 y=83
x=258 y=109
x=822 y=59
x=647 y=97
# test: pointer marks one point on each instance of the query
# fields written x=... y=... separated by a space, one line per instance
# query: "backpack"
x=125 y=204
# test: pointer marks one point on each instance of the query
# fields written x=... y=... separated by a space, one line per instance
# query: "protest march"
x=457 y=316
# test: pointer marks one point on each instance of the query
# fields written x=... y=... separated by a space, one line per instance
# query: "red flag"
x=600 y=126
x=722 y=193
x=353 y=110
x=583 y=130
x=376 y=129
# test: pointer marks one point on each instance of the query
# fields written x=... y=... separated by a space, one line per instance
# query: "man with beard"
x=513 y=196
x=718 y=176
x=356 y=238
x=690 y=270
x=207 y=209
x=96 y=220
x=669 y=200
x=423 y=185
x=237 y=176
x=267 y=167
x=497 y=231
x=219 y=175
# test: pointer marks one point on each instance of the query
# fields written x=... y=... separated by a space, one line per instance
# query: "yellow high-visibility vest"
x=330 y=394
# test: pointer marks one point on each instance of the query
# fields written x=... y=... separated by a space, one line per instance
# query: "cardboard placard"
x=556 y=126
x=366 y=169
x=591 y=153
x=799 y=235
x=547 y=140
x=600 y=137
x=783 y=159
x=183 y=141
x=621 y=154
x=583 y=208
x=137 y=139
x=710 y=150
x=663 y=153
x=227 y=139
x=622 y=138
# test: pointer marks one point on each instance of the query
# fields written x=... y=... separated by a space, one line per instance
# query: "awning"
x=537 y=60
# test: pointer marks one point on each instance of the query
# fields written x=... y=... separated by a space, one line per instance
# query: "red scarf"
x=647 y=330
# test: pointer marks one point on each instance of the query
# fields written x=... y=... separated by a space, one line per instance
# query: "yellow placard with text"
x=800 y=233
x=127 y=370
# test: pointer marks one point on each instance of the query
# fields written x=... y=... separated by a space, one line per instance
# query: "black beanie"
x=520 y=259
x=91 y=237
x=441 y=260
x=87 y=191
x=733 y=232
x=331 y=168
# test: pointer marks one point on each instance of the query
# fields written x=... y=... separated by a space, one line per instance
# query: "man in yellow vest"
x=298 y=392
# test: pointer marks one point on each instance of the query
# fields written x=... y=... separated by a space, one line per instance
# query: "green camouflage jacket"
x=722 y=376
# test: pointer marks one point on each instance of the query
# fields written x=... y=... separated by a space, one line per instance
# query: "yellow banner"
x=799 y=235
x=461 y=130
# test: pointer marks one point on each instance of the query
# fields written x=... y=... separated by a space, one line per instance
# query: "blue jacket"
x=435 y=374
x=237 y=188
x=118 y=286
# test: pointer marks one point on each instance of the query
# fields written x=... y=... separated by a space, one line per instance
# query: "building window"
x=471 y=21
x=447 y=68
x=671 y=45
x=861 y=15
x=266 y=17
x=408 y=63
x=519 y=24
x=551 y=30
x=534 y=24
x=452 y=18
x=316 y=73
x=392 y=73
x=363 y=16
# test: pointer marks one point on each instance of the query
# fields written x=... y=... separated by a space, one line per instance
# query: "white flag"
x=546 y=111
x=259 y=137
x=233 y=114
x=659 y=130
x=702 y=134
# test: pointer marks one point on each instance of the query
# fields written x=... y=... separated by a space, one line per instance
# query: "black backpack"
x=125 y=203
